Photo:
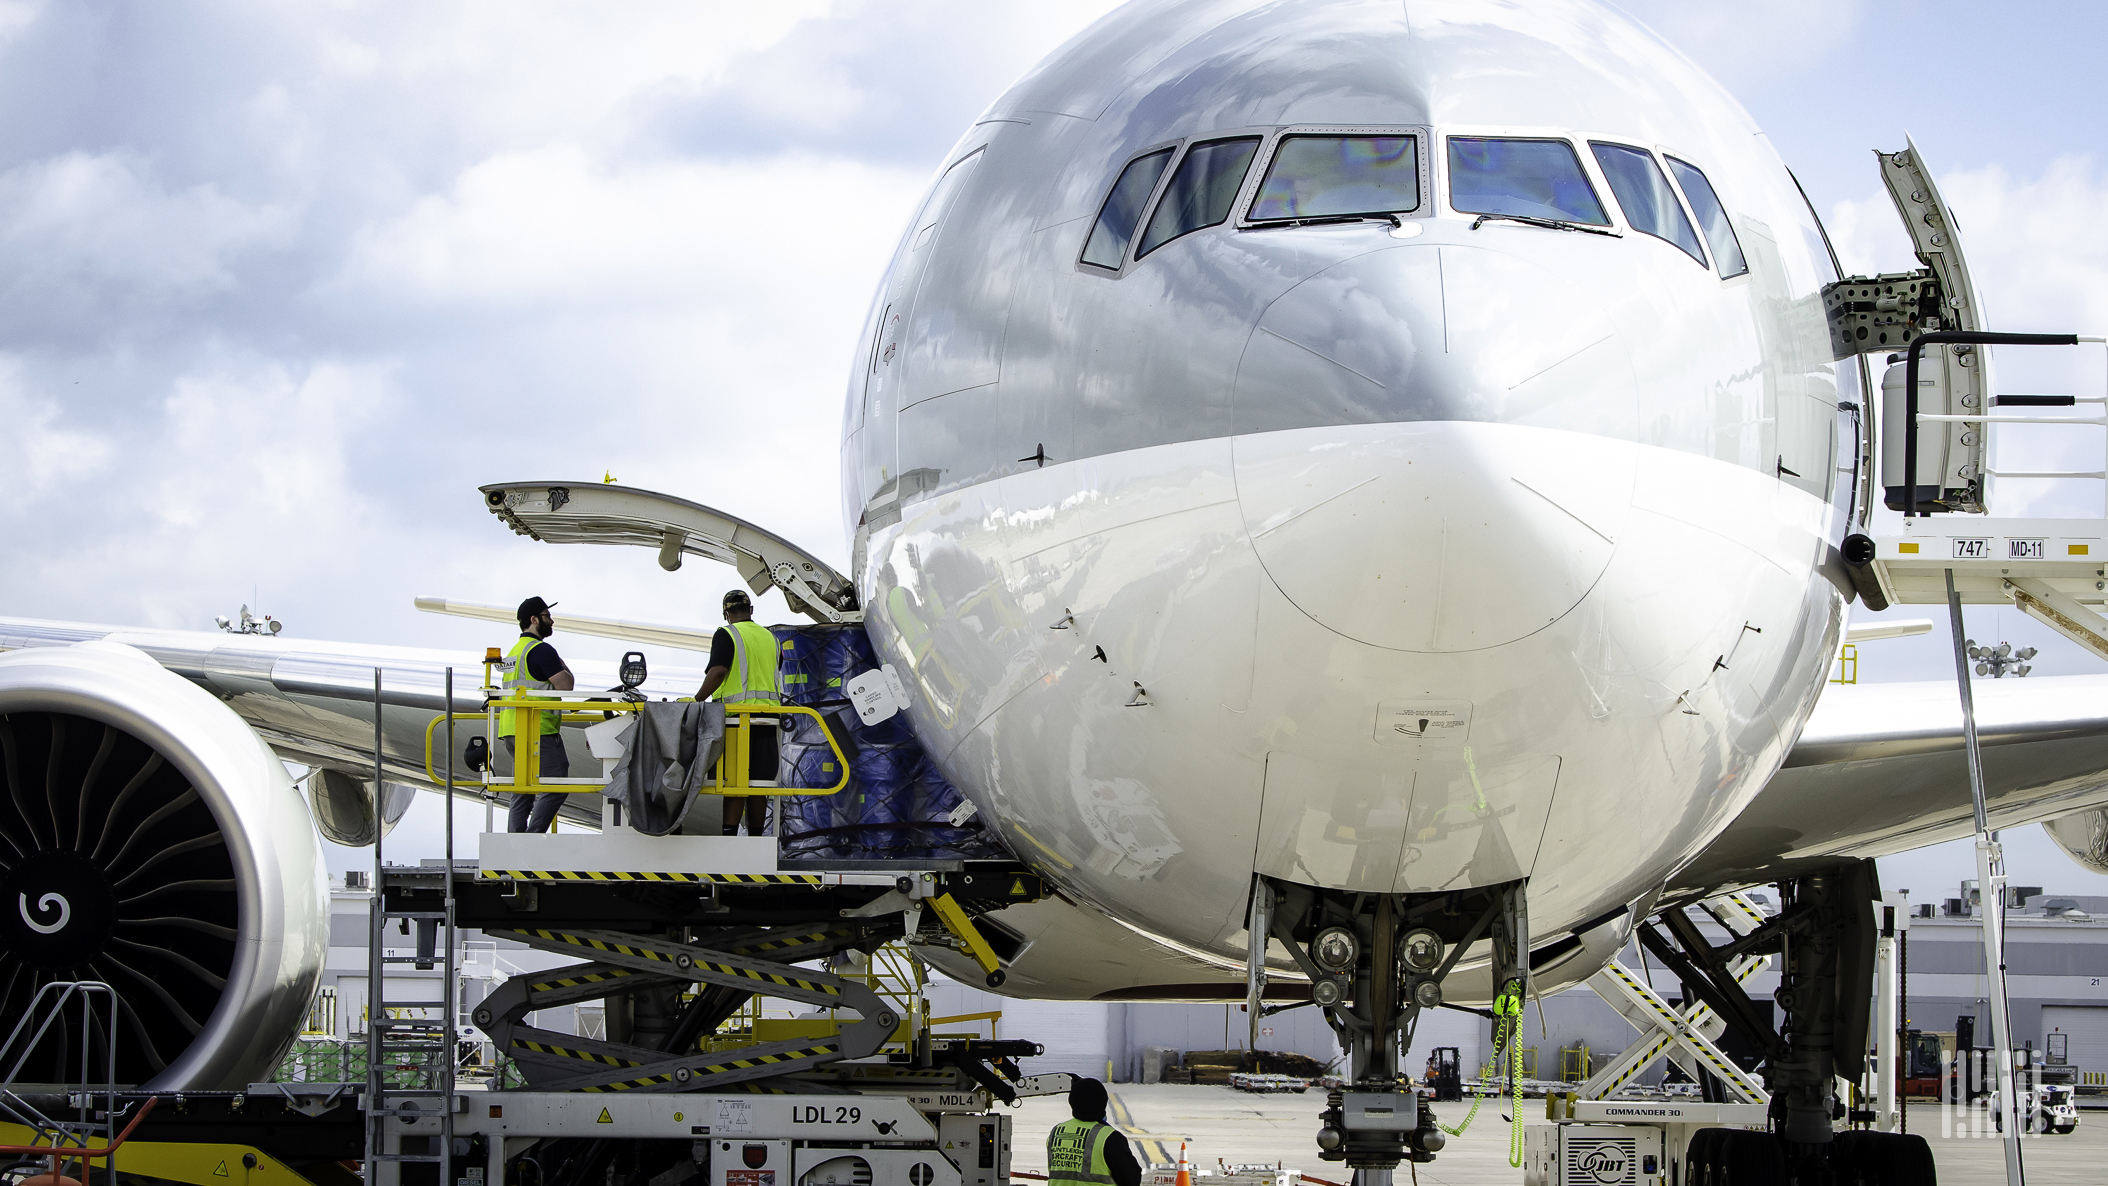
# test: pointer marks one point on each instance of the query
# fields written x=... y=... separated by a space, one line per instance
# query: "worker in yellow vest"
x=531 y=666
x=743 y=671
x=1085 y=1150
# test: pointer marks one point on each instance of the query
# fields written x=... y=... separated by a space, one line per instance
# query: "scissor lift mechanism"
x=705 y=924
x=1685 y=1034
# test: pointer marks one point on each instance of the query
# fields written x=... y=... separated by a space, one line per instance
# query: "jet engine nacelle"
x=150 y=840
x=2083 y=836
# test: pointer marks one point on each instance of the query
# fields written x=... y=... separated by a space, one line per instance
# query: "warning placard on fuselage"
x=1423 y=723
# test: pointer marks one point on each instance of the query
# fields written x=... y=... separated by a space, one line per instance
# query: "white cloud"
x=43 y=454
x=552 y=224
x=84 y=220
x=1756 y=41
x=269 y=322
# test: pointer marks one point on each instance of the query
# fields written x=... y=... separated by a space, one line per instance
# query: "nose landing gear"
x=1376 y=962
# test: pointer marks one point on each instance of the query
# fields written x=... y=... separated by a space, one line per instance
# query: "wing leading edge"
x=1880 y=769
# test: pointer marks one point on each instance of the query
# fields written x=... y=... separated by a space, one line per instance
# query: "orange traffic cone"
x=1185 y=1176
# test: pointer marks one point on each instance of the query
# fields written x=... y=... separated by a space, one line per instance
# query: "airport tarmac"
x=1229 y=1126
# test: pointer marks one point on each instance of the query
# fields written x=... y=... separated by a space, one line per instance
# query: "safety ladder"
x=399 y=1030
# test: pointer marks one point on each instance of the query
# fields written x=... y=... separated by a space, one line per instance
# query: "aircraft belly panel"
x=1334 y=823
x=1416 y=823
x=1475 y=825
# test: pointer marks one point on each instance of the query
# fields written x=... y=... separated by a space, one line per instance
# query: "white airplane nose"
x=1429 y=451
x=1440 y=536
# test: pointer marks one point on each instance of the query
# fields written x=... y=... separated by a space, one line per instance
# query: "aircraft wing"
x=312 y=701
x=1880 y=769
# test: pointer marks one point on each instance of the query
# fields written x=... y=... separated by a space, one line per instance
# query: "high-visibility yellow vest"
x=1076 y=1154
x=519 y=683
x=753 y=674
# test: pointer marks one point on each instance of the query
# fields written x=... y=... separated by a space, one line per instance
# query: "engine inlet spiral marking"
x=45 y=903
x=115 y=870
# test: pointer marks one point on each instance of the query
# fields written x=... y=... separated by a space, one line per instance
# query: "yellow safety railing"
x=732 y=774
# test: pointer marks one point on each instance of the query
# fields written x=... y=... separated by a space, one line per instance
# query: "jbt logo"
x=47 y=905
x=1604 y=1163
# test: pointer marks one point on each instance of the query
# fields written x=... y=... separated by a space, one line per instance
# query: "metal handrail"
x=83 y=1154
x=52 y=1015
x=1910 y=392
x=732 y=776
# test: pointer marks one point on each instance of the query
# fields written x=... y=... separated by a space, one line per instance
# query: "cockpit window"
x=1325 y=176
x=1201 y=192
x=1531 y=178
x=1727 y=250
x=1650 y=205
x=1107 y=246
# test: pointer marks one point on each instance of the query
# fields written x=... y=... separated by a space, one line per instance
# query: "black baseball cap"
x=1087 y=1099
x=739 y=598
x=534 y=607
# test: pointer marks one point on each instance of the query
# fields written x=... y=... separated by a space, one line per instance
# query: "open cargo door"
x=597 y=513
x=1882 y=315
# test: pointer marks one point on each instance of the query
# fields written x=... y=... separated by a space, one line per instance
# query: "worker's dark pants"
x=761 y=767
x=534 y=813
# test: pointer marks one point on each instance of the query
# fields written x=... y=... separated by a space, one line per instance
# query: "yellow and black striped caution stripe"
x=635 y=951
x=768 y=978
x=739 y=1064
x=544 y=1048
x=1675 y=1023
x=773 y=943
x=665 y=878
x=596 y=976
x=1697 y=1017
x=588 y=941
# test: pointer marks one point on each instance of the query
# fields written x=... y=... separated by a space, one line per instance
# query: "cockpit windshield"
x=1107 y=246
x=1727 y=250
x=1650 y=205
x=1528 y=178
x=1330 y=176
x=1201 y=192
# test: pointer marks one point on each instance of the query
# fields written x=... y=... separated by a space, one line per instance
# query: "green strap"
x=1507 y=1013
x=1507 y=1022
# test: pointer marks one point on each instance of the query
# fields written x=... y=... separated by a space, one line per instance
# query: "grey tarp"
x=674 y=747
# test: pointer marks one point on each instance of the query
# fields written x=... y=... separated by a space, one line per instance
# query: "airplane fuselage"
x=1413 y=552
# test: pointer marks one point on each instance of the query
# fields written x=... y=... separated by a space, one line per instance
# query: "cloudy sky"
x=281 y=284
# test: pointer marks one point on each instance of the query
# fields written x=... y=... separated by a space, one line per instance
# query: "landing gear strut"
x=1825 y=933
x=1376 y=962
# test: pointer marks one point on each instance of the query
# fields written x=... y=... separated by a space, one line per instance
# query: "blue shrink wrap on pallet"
x=813 y=820
x=897 y=805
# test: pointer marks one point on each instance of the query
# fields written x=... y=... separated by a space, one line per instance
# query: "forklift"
x=1445 y=1074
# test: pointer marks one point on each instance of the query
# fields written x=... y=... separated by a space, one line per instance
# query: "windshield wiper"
x=1553 y=224
x=1329 y=220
